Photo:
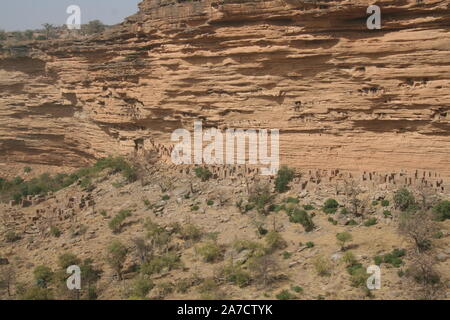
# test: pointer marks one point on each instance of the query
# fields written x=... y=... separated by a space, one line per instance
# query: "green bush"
x=310 y=244
x=165 y=197
x=374 y=202
x=260 y=197
x=55 y=231
x=168 y=261
x=322 y=266
x=115 y=224
x=11 y=236
x=191 y=232
x=308 y=207
x=116 y=254
x=385 y=203
x=210 y=252
x=344 y=211
x=387 y=214
x=27 y=169
x=287 y=255
x=285 y=295
x=68 y=259
x=43 y=275
x=351 y=222
x=141 y=287
x=36 y=293
x=302 y=217
x=236 y=275
x=284 y=176
x=442 y=210
x=203 y=173
x=292 y=200
x=274 y=241
x=370 y=222
x=393 y=258
x=330 y=206
x=343 y=238
x=210 y=202
x=332 y=221
x=297 y=289
x=404 y=199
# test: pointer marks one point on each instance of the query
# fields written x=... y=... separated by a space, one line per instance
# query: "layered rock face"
x=343 y=96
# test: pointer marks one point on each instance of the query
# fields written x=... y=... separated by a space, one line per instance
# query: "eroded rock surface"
x=343 y=96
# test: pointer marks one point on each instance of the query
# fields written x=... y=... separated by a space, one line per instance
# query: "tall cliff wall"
x=343 y=96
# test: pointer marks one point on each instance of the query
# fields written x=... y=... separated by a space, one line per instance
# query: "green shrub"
x=43 y=275
x=116 y=255
x=393 y=258
x=68 y=259
x=11 y=236
x=344 y=211
x=285 y=295
x=165 y=197
x=27 y=169
x=330 y=206
x=274 y=241
x=191 y=232
x=332 y=221
x=287 y=255
x=141 y=287
x=310 y=244
x=404 y=199
x=351 y=222
x=210 y=252
x=260 y=197
x=210 y=202
x=384 y=203
x=370 y=222
x=284 y=176
x=115 y=224
x=55 y=231
x=302 y=217
x=195 y=207
x=168 y=261
x=387 y=214
x=349 y=258
x=297 y=289
x=308 y=207
x=236 y=275
x=203 y=173
x=374 y=202
x=322 y=266
x=36 y=293
x=343 y=238
x=292 y=200
x=442 y=210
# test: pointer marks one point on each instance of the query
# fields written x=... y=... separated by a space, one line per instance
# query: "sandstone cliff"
x=343 y=96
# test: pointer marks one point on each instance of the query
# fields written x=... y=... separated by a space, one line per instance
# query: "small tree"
x=3 y=36
x=264 y=268
x=343 y=238
x=48 y=29
x=284 y=176
x=404 y=199
x=116 y=256
x=419 y=227
x=43 y=275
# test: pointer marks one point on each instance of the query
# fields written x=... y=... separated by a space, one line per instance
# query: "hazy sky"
x=31 y=14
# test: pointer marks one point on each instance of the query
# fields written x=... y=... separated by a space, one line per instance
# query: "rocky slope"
x=343 y=96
